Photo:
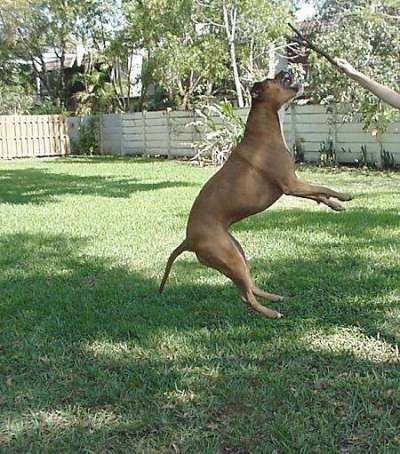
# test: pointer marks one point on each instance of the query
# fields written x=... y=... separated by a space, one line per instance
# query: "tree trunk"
x=251 y=57
x=185 y=104
x=63 y=89
x=271 y=61
x=230 y=28
x=238 y=86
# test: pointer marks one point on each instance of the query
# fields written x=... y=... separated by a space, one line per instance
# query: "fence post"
x=121 y=136
x=144 y=131
x=64 y=136
x=100 y=126
x=293 y=132
x=169 y=134
x=379 y=162
x=16 y=136
x=334 y=134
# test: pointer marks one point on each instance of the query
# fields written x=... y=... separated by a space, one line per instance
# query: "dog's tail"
x=178 y=251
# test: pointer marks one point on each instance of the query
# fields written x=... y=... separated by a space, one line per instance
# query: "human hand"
x=346 y=67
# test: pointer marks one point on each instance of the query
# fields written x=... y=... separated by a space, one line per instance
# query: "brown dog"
x=257 y=173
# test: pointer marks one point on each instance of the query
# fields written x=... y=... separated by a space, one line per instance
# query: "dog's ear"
x=256 y=91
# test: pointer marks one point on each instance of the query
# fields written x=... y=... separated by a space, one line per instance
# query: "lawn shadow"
x=108 y=159
x=20 y=186
x=82 y=337
x=356 y=222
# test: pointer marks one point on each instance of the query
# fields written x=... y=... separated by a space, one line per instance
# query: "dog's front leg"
x=328 y=202
x=300 y=188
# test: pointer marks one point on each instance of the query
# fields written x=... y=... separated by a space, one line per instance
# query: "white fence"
x=170 y=134
x=312 y=125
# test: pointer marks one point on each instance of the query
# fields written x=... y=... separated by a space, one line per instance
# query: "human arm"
x=381 y=91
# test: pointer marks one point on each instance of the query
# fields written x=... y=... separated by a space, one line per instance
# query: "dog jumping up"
x=256 y=174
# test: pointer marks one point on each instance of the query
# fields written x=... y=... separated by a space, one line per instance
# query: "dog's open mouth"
x=288 y=82
x=286 y=79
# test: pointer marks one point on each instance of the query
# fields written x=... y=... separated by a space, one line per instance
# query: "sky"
x=305 y=11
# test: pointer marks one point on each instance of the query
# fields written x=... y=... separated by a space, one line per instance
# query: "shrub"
x=327 y=153
x=220 y=128
x=88 y=139
x=298 y=150
x=387 y=159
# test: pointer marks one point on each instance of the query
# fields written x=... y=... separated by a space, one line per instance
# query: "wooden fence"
x=23 y=136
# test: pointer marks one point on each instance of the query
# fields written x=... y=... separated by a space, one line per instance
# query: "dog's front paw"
x=336 y=206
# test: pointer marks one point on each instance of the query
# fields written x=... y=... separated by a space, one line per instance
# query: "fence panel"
x=111 y=134
x=182 y=133
x=28 y=136
x=133 y=133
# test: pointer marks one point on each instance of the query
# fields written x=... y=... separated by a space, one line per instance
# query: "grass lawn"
x=93 y=360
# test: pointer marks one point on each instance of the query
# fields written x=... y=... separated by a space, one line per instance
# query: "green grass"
x=93 y=360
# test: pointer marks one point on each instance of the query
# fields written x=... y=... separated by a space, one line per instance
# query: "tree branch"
x=306 y=42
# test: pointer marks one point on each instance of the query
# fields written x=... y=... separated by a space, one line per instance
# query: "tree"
x=252 y=31
x=32 y=28
x=194 y=46
x=182 y=57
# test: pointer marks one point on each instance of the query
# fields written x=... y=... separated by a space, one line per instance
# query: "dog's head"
x=277 y=91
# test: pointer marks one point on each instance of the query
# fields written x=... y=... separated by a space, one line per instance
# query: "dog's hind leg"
x=226 y=258
x=268 y=296
x=257 y=291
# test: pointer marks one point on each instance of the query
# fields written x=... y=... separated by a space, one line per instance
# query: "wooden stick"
x=311 y=45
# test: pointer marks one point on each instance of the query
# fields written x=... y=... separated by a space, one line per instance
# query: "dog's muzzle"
x=287 y=81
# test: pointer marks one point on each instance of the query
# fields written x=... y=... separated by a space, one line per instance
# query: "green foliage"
x=188 y=47
x=31 y=29
x=387 y=159
x=366 y=33
x=327 y=153
x=182 y=59
x=98 y=94
x=88 y=140
x=14 y=100
x=298 y=150
x=17 y=100
x=17 y=95
x=194 y=51
x=364 y=161
x=220 y=129
x=187 y=70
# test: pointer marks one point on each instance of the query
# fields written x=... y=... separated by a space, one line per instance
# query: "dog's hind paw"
x=339 y=207
x=346 y=197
